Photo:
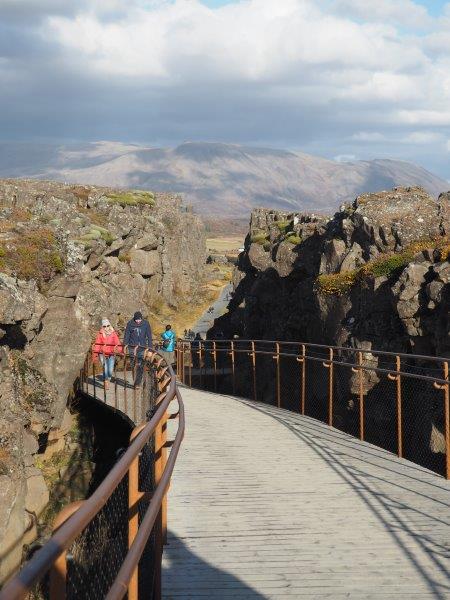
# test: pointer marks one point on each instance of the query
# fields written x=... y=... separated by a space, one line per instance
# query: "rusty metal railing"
x=396 y=401
x=98 y=545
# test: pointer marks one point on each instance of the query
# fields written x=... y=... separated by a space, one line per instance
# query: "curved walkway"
x=268 y=504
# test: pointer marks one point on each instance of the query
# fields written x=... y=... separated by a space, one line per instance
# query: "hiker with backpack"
x=168 y=345
x=138 y=338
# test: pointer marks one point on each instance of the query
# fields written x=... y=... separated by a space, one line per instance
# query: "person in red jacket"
x=106 y=345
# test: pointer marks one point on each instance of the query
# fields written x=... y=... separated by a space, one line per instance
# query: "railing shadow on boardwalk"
x=352 y=462
x=220 y=584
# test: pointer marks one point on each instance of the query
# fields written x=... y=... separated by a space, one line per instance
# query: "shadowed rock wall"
x=375 y=276
x=70 y=255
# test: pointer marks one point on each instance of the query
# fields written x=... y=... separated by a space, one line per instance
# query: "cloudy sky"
x=338 y=78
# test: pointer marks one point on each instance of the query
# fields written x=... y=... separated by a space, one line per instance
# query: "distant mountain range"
x=218 y=179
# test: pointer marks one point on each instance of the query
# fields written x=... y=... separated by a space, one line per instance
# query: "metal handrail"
x=359 y=361
x=325 y=347
x=67 y=532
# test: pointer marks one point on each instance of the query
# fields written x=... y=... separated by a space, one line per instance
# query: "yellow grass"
x=187 y=314
x=224 y=245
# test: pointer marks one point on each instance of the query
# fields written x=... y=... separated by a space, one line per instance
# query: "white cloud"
x=368 y=136
x=351 y=76
x=403 y=12
x=255 y=39
x=345 y=157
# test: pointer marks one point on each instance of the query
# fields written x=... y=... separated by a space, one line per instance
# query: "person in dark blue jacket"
x=138 y=337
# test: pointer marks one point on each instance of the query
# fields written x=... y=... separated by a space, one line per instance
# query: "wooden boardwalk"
x=268 y=504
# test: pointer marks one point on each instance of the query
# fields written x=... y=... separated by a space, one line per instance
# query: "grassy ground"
x=225 y=245
x=187 y=313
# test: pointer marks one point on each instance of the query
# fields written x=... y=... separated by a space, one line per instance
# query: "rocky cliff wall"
x=375 y=276
x=70 y=255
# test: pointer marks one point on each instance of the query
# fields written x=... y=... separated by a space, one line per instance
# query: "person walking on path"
x=106 y=345
x=138 y=338
x=168 y=349
x=195 y=351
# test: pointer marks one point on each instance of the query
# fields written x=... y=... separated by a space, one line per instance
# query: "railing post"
x=183 y=354
x=445 y=388
x=215 y=365
x=158 y=523
x=125 y=379
x=93 y=380
x=329 y=365
x=58 y=571
x=398 y=381
x=253 y=355
x=276 y=357
x=164 y=461
x=190 y=364
x=359 y=370
x=232 y=368
x=115 y=378
x=302 y=360
x=133 y=515
x=200 y=364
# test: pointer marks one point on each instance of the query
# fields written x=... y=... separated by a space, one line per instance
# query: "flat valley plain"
x=228 y=244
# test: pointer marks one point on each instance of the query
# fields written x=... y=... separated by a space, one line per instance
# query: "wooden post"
x=190 y=364
x=58 y=571
x=329 y=365
x=115 y=379
x=232 y=368
x=302 y=360
x=276 y=357
x=93 y=380
x=397 y=379
x=125 y=380
x=133 y=518
x=200 y=364
x=215 y=366
x=445 y=388
x=164 y=461
x=359 y=370
x=253 y=357
x=158 y=522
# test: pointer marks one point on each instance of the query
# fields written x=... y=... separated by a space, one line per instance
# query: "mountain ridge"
x=217 y=178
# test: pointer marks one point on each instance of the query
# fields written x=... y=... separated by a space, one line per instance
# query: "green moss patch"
x=131 y=198
x=283 y=226
x=383 y=266
x=294 y=239
x=258 y=238
x=34 y=254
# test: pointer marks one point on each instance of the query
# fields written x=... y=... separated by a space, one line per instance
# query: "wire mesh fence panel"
x=423 y=438
x=208 y=365
x=380 y=403
x=222 y=366
x=266 y=369
x=290 y=378
x=317 y=386
x=95 y=557
x=345 y=403
x=146 y=484
x=243 y=370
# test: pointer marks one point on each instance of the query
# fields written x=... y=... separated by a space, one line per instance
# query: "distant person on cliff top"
x=168 y=349
x=106 y=345
x=138 y=337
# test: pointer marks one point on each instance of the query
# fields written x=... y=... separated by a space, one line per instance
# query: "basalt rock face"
x=70 y=255
x=377 y=272
x=376 y=276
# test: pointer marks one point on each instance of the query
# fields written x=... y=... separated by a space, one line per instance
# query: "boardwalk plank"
x=268 y=504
